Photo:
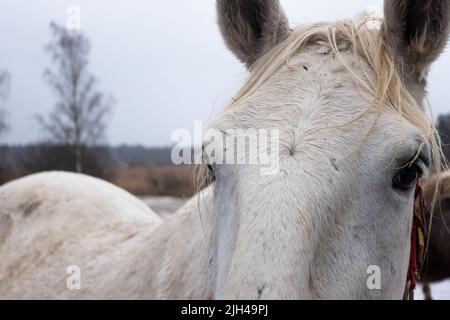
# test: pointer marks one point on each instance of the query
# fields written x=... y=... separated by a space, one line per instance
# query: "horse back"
x=51 y=221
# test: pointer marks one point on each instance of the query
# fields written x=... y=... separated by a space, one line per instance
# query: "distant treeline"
x=35 y=155
x=138 y=169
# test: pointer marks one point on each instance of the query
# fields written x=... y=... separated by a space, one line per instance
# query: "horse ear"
x=251 y=27
x=417 y=32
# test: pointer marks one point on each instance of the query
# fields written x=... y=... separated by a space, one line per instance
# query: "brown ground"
x=176 y=181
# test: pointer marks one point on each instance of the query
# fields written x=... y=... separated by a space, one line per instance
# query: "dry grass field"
x=167 y=180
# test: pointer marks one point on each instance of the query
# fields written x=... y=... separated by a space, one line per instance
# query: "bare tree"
x=4 y=90
x=80 y=115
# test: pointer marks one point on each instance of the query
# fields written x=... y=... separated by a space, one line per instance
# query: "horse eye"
x=211 y=172
x=406 y=178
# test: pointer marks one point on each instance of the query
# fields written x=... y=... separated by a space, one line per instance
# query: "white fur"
x=54 y=220
x=310 y=232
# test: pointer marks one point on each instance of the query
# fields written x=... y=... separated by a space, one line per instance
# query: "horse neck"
x=176 y=253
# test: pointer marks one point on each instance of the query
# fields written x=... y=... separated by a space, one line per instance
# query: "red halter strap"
x=417 y=244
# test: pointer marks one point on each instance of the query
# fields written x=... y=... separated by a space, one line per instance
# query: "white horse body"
x=51 y=221
x=340 y=206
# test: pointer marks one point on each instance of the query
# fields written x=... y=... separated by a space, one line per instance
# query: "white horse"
x=354 y=138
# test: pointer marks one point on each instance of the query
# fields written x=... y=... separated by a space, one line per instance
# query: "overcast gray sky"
x=163 y=61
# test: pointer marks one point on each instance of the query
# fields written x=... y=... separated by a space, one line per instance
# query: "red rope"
x=417 y=245
x=413 y=269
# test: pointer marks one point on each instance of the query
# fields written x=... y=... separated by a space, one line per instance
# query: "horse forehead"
x=313 y=88
x=315 y=97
